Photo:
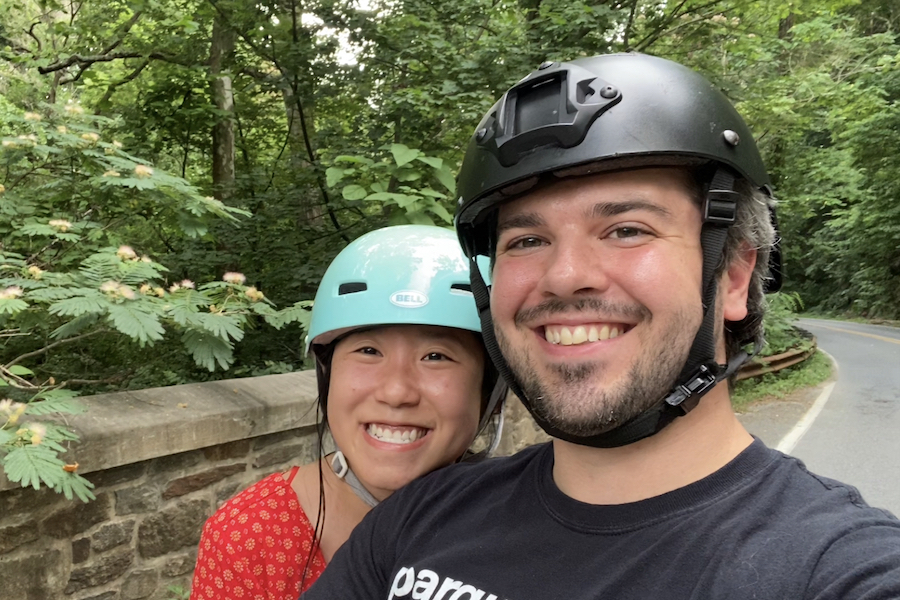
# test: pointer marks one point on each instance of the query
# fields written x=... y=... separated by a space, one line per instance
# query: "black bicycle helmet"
x=606 y=113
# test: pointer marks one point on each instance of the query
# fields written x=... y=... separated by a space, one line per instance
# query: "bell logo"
x=409 y=299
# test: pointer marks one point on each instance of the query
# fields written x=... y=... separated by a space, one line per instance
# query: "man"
x=629 y=221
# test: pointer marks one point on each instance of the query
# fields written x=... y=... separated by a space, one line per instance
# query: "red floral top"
x=256 y=546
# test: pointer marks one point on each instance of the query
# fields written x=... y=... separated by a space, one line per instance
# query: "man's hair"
x=752 y=228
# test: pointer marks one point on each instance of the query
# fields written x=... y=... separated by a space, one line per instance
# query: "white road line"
x=790 y=441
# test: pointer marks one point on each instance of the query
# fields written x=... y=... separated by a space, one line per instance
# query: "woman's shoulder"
x=270 y=499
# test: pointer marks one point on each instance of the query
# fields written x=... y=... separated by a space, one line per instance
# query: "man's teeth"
x=395 y=435
x=572 y=336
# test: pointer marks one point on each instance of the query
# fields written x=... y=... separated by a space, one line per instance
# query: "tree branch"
x=40 y=351
x=125 y=28
x=112 y=87
x=86 y=61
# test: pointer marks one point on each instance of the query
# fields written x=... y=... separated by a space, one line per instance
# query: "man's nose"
x=574 y=268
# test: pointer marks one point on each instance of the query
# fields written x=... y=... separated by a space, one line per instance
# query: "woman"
x=404 y=387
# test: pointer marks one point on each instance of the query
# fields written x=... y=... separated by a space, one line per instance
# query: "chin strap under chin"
x=342 y=469
x=701 y=371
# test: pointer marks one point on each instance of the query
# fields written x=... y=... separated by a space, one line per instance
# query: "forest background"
x=176 y=174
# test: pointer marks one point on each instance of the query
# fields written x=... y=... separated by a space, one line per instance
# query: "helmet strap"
x=342 y=469
x=483 y=304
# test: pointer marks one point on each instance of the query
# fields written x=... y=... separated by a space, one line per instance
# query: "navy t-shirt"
x=760 y=527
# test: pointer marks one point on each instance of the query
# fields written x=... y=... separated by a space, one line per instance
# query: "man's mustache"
x=611 y=311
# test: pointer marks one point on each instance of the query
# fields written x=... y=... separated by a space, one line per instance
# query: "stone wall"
x=162 y=461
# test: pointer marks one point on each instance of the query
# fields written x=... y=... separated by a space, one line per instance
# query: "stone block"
x=140 y=584
x=81 y=550
x=103 y=570
x=28 y=500
x=140 y=499
x=76 y=517
x=112 y=535
x=117 y=475
x=231 y=450
x=13 y=536
x=176 y=462
x=112 y=595
x=227 y=491
x=198 y=481
x=32 y=577
x=174 y=528
x=295 y=453
x=274 y=438
x=180 y=564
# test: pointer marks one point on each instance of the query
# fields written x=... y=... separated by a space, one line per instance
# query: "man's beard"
x=570 y=400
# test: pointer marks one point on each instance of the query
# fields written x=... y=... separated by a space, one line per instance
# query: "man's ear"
x=736 y=283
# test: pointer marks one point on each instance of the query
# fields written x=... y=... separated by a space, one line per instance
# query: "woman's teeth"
x=395 y=435
x=572 y=336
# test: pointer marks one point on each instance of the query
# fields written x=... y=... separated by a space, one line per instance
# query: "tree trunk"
x=221 y=48
x=301 y=143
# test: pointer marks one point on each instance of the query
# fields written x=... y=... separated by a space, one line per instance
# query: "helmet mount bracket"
x=552 y=107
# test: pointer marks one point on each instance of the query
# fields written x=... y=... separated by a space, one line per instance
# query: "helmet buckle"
x=720 y=207
x=700 y=382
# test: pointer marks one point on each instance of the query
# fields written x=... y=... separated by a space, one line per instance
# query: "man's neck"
x=689 y=449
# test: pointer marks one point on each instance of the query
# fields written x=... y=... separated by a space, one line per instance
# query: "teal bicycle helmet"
x=401 y=275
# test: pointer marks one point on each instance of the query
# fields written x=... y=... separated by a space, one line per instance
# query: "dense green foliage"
x=216 y=136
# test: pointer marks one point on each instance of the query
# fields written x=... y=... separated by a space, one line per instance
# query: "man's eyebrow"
x=520 y=220
x=611 y=209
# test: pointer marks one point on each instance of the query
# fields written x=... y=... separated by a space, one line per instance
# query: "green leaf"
x=447 y=180
x=50 y=294
x=73 y=484
x=382 y=196
x=184 y=312
x=403 y=154
x=75 y=326
x=355 y=159
x=11 y=306
x=79 y=305
x=408 y=175
x=221 y=326
x=333 y=176
x=32 y=229
x=419 y=218
x=30 y=465
x=300 y=312
x=135 y=323
x=55 y=401
x=431 y=161
x=432 y=193
x=20 y=370
x=354 y=192
x=441 y=212
x=207 y=349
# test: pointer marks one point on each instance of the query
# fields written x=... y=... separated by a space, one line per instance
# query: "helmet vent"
x=464 y=288
x=352 y=288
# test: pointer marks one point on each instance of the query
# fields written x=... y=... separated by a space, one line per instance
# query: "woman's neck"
x=343 y=509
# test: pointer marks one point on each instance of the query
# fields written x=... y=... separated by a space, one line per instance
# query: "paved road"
x=856 y=436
